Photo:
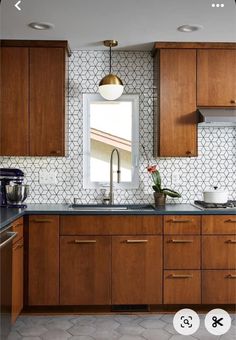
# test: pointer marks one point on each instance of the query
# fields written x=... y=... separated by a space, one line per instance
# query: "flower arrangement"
x=156 y=177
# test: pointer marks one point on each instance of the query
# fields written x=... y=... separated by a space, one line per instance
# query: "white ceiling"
x=136 y=24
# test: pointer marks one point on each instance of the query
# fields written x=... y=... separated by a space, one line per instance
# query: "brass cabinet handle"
x=231 y=241
x=230 y=221
x=42 y=220
x=18 y=246
x=181 y=241
x=136 y=241
x=85 y=241
x=233 y=101
x=231 y=276
x=181 y=276
x=180 y=221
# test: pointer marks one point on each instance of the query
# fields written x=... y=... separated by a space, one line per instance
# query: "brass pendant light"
x=111 y=86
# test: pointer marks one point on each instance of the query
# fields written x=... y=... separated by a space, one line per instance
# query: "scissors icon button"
x=217 y=322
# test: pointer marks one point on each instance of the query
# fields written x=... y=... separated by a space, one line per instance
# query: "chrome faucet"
x=111 y=194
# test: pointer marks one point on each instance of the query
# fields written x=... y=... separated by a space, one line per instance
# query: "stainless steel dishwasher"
x=6 y=238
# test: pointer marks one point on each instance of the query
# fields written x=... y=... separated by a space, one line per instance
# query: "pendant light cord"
x=110 y=59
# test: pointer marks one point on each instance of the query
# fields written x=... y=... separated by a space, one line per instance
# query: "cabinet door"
x=43 y=260
x=17 y=278
x=219 y=252
x=219 y=287
x=136 y=270
x=178 y=117
x=47 y=101
x=14 y=120
x=85 y=270
x=216 y=77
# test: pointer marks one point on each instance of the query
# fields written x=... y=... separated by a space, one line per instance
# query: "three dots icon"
x=217 y=5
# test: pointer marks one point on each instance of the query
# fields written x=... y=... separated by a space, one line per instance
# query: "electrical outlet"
x=47 y=177
x=175 y=178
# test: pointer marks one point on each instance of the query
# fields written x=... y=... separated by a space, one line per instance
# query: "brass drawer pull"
x=42 y=220
x=230 y=221
x=231 y=241
x=18 y=246
x=233 y=101
x=181 y=276
x=181 y=241
x=85 y=241
x=180 y=221
x=136 y=241
x=231 y=276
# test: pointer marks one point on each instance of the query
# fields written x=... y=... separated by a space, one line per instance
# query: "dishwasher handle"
x=11 y=235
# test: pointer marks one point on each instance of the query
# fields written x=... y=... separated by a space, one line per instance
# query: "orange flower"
x=152 y=168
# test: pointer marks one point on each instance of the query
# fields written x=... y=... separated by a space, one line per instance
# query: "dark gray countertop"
x=8 y=215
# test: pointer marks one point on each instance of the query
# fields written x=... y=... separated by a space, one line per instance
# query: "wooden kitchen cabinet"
x=219 y=287
x=219 y=252
x=47 y=101
x=17 y=270
x=136 y=270
x=14 y=112
x=182 y=287
x=43 y=260
x=85 y=270
x=175 y=115
x=33 y=85
x=216 y=77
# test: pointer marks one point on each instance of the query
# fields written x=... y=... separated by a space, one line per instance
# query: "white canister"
x=215 y=196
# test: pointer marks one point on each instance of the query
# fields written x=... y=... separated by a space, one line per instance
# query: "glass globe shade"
x=111 y=92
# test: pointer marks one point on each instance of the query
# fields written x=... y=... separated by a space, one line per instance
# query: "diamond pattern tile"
x=215 y=165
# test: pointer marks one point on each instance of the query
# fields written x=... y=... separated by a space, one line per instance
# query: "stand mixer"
x=12 y=192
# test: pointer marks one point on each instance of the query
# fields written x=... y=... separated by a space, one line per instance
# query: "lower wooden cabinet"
x=182 y=287
x=182 y=252
x=219 y=287
x=43 y=260
x=17 y=270
x=136 y=270
x=85 y=270
x=219 y=252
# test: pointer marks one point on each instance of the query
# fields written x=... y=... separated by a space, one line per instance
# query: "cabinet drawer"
x=184 y=224
x=110 y=225
x=182 y=286
x=219 y=252
x=219 y=224
x=17 y=226
x=219 y=286
x=182 y=252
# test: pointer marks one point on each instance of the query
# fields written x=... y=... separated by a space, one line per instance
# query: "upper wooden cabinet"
x=33 y=86
x=176 y=117
x=14 y=115
x=216 y=77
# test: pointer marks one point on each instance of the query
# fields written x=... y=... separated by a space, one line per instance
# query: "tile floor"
x=107 y=327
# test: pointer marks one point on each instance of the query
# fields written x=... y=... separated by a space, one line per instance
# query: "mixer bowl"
x=16 y=193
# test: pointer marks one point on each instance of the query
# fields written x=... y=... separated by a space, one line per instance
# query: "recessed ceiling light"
x=189 y=28
x=41 y=25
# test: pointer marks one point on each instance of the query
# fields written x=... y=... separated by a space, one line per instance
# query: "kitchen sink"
x=115 y=207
